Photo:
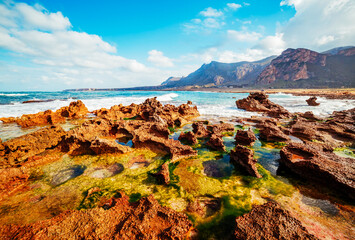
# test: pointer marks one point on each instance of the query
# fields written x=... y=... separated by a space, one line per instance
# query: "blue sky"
x=54 y=45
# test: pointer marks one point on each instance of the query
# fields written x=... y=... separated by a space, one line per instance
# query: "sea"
x=209 y=104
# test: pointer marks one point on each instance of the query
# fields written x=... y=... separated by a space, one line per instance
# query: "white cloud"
x=212 y=23
x=234 y=6
x=243 y=36
x=157 y=58
x=48 y=41
x=272 y=45
x=320 y=25
x=211 y=12
x=38 y=17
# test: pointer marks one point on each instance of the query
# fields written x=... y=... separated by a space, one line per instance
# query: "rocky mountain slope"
x=217 y=73
x=294 y=68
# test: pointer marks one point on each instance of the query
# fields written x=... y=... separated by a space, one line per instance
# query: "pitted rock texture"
x=323 y=167
x=121 y=220
x=269 y=221
x=259 y=102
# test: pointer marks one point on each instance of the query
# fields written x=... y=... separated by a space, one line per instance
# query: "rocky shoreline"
x=156 y=171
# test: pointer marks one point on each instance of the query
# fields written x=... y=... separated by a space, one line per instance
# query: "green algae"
x=345 y=152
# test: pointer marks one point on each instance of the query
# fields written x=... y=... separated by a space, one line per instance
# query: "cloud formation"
x=211 y=12
x=158 y=59
x=234 y=6
x=320 y=25
x=48 y=41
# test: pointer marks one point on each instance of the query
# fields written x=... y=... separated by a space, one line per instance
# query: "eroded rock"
x=246 y=138
x=259 y=102
x=312 y=101
x=75 y=110
x=188 y=137
x=16 y=151
x=326 y=168
x=244 y=157
x=216 y=142
x=271 y=132
x=269 y=221
x=121 y=220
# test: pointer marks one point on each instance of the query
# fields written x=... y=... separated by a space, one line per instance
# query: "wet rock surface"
x=18 y=150
x=312 y=101
x=246 y=138
x=323 y=167
x=199 y=130
x=270 y=221
x=259 y=102
x=151 y=110
x=188 y=137
x=271 y=132
x=75 y=110
x=244 y=157
x=163 y=175
x=67 y=174
x=216 y=142
x=122 y=220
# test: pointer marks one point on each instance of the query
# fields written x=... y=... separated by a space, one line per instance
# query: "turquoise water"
x=208 y=103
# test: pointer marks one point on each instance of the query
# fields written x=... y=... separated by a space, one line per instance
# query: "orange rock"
x=146 y=219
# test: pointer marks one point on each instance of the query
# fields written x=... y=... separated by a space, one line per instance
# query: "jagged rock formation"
x=323 y=167
x=244 y=157
x=73 y=111
x=118 y=219
x=259 y=102
x=270 y=221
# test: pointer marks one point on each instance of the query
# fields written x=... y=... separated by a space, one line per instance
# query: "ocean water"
x=208 y=103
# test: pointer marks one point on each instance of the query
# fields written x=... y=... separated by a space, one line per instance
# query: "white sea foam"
x=167 y=97
x=221 y=106
x=13 y=94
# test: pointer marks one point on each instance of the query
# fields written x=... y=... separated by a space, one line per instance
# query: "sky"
x=49 y=45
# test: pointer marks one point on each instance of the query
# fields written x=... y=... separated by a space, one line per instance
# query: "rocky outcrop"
x=246 y=138
x=221 y=128
x=312 y=101
x=324 y=167
x=18 y=150
x=204 y=206
x=259 y=102
x=270 y=132
x=291 y=65
x=244 y=157
x=188 y=137
x=269 y=221
x=163 y=175
x=103 y=146
x=151 y=110
x=73 y=111
x=216 y=142
x=118 y=219
x=199 y=130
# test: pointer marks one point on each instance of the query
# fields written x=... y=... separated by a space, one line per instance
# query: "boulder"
x=244 y=157
x=269 y=131
x=269 y=221
x=18 y=150
x=163 y=175
x=188 y=137
x=221 y=128
x=216 y=142
x=323 y=167
x=259 y=102
x=199 y=130
x=73 y=111
x=312 y=101
x=246 y=138
x=118 y=219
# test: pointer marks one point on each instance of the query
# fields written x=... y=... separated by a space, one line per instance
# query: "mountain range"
x=294 y=68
